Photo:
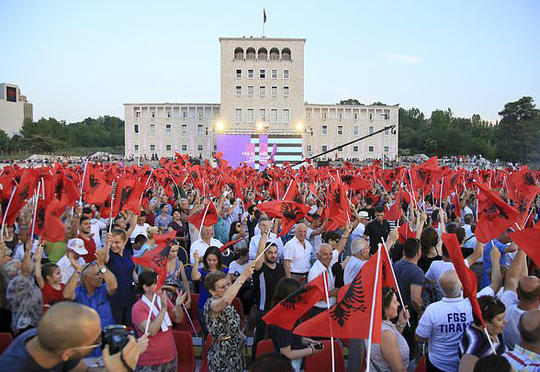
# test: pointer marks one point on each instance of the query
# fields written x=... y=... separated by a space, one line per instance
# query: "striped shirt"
x=523 y=360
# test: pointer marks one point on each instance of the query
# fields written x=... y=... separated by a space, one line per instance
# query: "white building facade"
x=14 y=108
x=262 y=95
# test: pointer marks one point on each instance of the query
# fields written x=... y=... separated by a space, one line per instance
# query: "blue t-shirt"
x=487 y=260
x=203 y=295
x=100 y=302
x=16 y=358
x=122 y=267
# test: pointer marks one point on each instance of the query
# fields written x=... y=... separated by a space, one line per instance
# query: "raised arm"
x=496 y=278
x=477 y=253
x=344 y=237
x=132 y=223
x=515 y=271
x=232 y=291
x=37 y=266
x=69 y=289
x=110 y=280
x=107 y=248
x=195 y=274
x=260 y=249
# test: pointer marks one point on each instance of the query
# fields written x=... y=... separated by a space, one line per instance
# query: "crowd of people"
x=60 y=298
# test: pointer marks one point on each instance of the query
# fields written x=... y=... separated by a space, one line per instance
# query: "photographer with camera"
x=154 y=314
x=67 y=333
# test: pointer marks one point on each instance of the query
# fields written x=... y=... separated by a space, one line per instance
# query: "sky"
x=78 y=59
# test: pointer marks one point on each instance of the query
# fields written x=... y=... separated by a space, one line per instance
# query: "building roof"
x=336 y=105
x=171 y=104
x=262 y=38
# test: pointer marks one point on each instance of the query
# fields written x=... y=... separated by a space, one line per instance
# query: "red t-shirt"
x=90 y=246
x=161 y=347
x=51 y=295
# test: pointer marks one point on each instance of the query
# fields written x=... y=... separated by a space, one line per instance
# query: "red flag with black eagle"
x=209 y=213
x=394 y=212
x=25 y=190
x=95 y=188
x=527 y=240
x=337 y=209
x=466 y=276
x=405 y=233
x=128 y=195
x=494 y=215
x=156 y=259
x=522 y=190
x=288 y=211
x=288 y=311
x=350 y=316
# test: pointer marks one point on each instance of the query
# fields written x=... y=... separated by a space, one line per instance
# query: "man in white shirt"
x=265 y=224
x=323 y=265
x=74 y=250
x=520 y=294
x=96 y=224
x=297 y=254
x=141 y=227
x=314 y=232
x=443 y=324
x=360 y=254
x=201 y=245
x=358 y=232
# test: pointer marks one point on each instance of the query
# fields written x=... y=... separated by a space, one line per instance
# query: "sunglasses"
x=390 y=292
x=494 y=301
x=93 y=263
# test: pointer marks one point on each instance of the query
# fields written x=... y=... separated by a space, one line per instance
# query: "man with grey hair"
x=443 y=324
x=297 y=254
x=265 y=226
x=360 y=254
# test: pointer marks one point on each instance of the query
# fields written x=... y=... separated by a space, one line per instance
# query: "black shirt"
x=282 y=338
x=265 y=280
x=17 y=359
x=375 y=231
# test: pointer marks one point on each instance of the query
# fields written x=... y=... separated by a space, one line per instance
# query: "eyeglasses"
x=93 y=263
x=93 y=346
x=494 y=300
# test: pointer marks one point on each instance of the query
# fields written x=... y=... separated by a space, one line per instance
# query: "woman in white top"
x=393 y=352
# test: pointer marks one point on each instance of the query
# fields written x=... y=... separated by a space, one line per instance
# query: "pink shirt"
x=161 y=347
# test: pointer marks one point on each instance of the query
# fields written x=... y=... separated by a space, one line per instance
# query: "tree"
x=350 y=101
x=4 y=141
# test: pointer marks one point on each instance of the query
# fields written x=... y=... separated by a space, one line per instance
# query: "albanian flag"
x=466 y=276
x=527 y=240
x=25 y=190
x=208 y=214
x=290 y=212
x=394 y=212
x=128 y=196
x=494 y=216
x=95 y=188
x=350 y=316
x=156 y=259
x=288 y=311
x=405 y=232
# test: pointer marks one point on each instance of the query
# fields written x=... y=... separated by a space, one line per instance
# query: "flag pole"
x=35 y=213
x=190 y=321
x=440 y=197
x=112 y=207
x=82 y=181
x=6 y=211
x=203 y=217
x=372 y=315
x=330 y=322
x=490 y=341
x=395 y=278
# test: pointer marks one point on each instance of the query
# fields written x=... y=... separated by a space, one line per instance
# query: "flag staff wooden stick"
x=372 y=315
x=330 y=322
x=6 y=212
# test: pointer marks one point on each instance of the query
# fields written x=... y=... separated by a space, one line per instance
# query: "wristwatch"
x=102 y=270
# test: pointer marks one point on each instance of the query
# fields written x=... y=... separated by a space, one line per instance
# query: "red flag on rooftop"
x=288 y=311
x=350 y=316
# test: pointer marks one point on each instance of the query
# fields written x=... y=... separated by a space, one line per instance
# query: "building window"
x=340 y=130
x=238 y=115
x=168 y=147
x=386 y=132
x=324 y=130
x=250 y=90
x=386 y=149
x=200 y=129
x=274 y=91
x=153 y=114
x=285 y=116
x=355 y=130
x=324 y=115
x=262 y=74
x=184 y=114
x=184 y=128
x=152 y=129
x=324 y=148
x=184 y=147
x=250 y=74
x=168 y=128
x=238 y=54
x=370 y=116
x=250 y=115
x=285 y=74
x=168 y=114
x=137 y=114
x=199 y=147
x=355 y=148
x=340 y=116
x=286 y=54
x=238 y=73
x=152 y=147
x=136 y=147
x=262 y=114
x=136 y=128
x=370 y=148
x=308 y=148
x=273 y=115
x=286 y=91
x=371 y=130
x=238 y=90
x=274 y=74
x=308 y=115
x=262 y=91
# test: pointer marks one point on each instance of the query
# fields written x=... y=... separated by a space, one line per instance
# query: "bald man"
x=443 y=323
x=297 y=254
x=526 y=355
x=520 y=293
x=67 y=333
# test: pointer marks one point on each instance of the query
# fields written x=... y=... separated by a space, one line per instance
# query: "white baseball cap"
x=77 y=246
x=363 y=214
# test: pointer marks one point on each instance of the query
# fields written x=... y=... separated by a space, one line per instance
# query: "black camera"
x=116 y=336
x=318 y=345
